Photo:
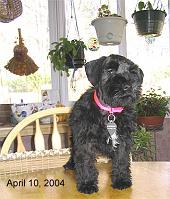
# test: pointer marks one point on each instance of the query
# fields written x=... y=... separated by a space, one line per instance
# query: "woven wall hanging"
x=10 y=10
x=21 y=63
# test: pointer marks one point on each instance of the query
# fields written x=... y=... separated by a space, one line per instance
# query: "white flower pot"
x=109 y=29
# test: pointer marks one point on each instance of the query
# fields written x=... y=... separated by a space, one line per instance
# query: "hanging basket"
x=149 y=22
x=10 y=10
x=21 y=64
x=109 y=29
x=77 y=61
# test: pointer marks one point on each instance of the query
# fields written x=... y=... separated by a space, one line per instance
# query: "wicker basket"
x=10 y=10
x=32 y=161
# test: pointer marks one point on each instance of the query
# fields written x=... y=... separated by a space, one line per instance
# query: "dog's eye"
x=134 y=75
x=109 y=70
x=133 y=72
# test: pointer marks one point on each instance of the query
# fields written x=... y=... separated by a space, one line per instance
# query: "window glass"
x=34 y=28
x=151 y=54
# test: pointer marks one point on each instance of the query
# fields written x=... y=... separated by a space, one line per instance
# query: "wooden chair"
x=25 y=158
x=38 y=139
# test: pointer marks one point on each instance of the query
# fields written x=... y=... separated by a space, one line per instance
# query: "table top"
x=151 y=180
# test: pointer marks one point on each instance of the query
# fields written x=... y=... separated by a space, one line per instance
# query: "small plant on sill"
x=153 y=104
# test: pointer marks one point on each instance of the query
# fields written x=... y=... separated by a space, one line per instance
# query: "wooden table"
x=151 y=180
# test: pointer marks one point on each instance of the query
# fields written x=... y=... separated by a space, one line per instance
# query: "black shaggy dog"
x=102 y=121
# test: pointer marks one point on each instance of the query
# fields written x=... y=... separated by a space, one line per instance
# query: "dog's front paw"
x=122 y=184
x=88 y=188
x=69 y=165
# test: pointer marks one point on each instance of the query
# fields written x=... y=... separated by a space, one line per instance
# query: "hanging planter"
x=21 y=64
x=109 y=27
x=10 y=10
x=149 y=21
x=67 y=54
x=77 y=60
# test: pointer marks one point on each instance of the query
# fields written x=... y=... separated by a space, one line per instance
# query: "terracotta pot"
x=151 y=122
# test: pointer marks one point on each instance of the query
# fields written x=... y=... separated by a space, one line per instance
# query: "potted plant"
x=109 y=27
x=67 y=54
x=149 y=18
x=143 y=148
x=151 y=109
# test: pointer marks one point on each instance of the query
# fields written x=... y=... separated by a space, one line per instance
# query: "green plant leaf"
x=141 y=140
x=141 y=5
x=149 y=6
x=152 y=104
x=61 y=49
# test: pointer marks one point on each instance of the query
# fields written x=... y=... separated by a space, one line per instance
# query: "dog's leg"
x=121 y=175
x=70 y=164
x=86 y=173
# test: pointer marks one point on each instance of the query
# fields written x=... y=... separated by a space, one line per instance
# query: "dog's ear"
x=140 y=75
x=94 y=70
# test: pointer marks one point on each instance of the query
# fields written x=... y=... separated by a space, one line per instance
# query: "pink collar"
x=107 y=108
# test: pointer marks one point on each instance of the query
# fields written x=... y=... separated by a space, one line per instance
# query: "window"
x=152 y=55
x=86 y=11
x=34 y=27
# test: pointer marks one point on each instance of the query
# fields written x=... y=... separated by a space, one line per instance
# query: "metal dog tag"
x=112 y=129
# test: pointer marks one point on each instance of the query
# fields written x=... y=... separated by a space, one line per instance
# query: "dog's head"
x=116 y=79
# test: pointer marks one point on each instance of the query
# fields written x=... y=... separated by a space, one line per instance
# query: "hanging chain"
x=158 y=2
x=118 y=8
x=73 y=15
x=76 y=19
